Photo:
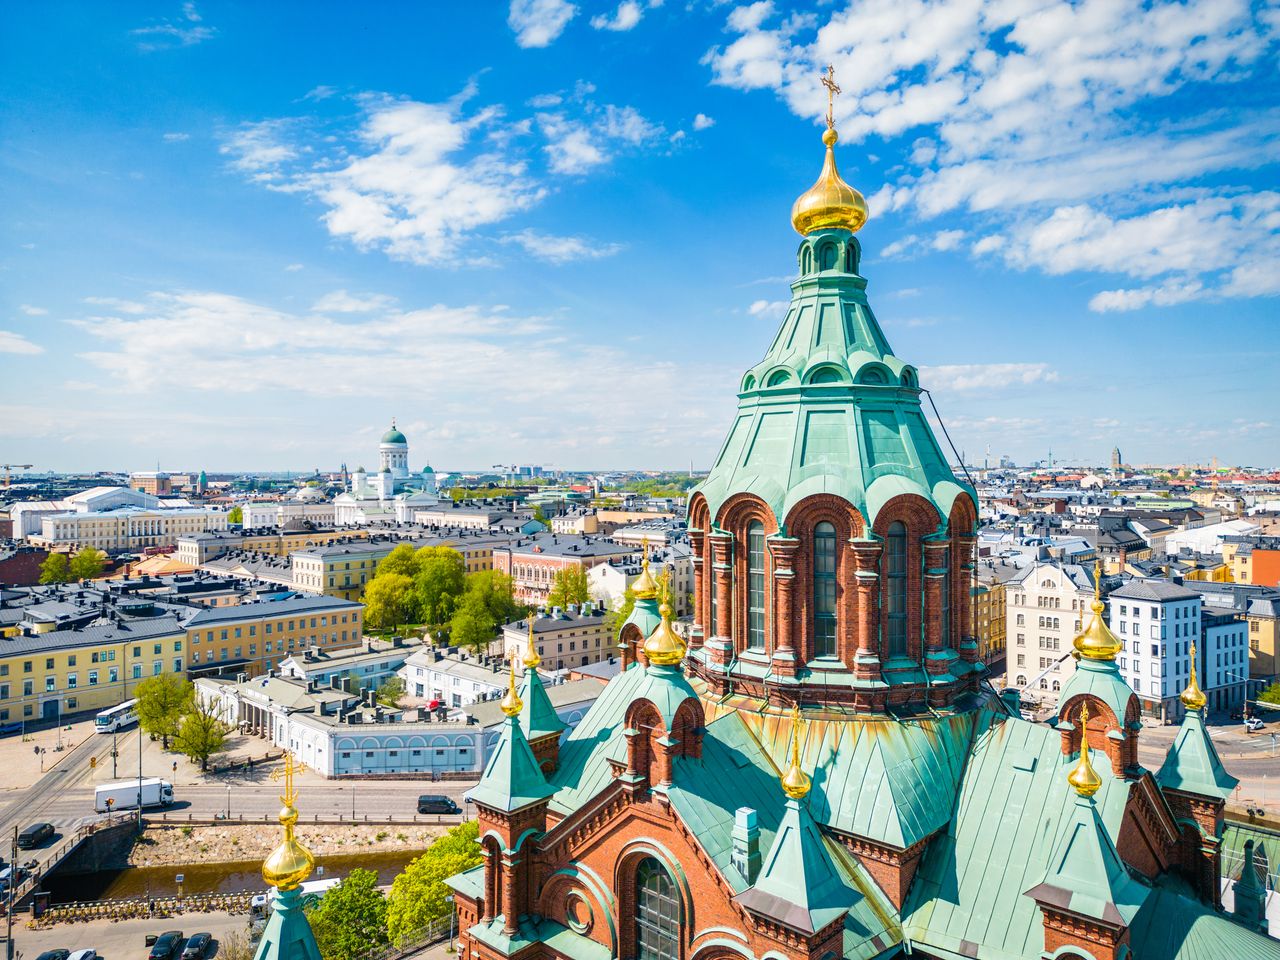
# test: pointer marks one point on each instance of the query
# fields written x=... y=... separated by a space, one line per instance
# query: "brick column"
x=866 y=657
x=720 y=645
x=510 y=908
x=789 y=638
x=697 y=543
x=967 y=635
x=935 y=551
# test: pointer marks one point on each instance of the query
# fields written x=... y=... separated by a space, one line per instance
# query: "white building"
x=455 y=679
x=1157 y=621
x=1045 y=603
x=28 y=515
x=278 y=513
x=126 y=528
x=1223 y=659
x=608 y=582
x=1208 y=539
x=393 y=493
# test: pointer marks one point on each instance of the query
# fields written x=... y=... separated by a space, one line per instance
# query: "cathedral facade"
x=391 y=494
x=823 y=770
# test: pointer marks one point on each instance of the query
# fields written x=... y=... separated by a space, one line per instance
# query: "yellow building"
x=252 y=638
x=989 y=617
x=1263 y=617
x=54 y=673
x=342 y=569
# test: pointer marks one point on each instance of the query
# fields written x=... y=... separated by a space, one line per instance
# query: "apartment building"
x=1045 y=603
x=201 y=547
x=533 y=562
x=1158 y=621
x=126 y=529
x=564 y=638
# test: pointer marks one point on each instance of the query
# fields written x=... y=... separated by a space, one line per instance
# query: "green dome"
x=394 y=436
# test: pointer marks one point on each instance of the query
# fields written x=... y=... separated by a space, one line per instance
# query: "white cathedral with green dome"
x=391 y=494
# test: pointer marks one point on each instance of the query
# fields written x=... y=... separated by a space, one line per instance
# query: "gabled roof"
x=512 y=778
x=1192 y=763
x=537 y=716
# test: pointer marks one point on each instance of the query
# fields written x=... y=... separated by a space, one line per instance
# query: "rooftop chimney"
x=746 y=844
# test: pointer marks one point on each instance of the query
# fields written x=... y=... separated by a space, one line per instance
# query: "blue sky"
x=245 y=235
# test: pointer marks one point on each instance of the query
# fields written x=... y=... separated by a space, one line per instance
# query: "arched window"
x=755 y=586
x=895 y=589
x=712 y=593
x=945 y=632
x=806 y=260
x=779 y=378
x=828 y=255
x=824 y=590
x=657 y=913
x=849 y=265
x=1021 y=681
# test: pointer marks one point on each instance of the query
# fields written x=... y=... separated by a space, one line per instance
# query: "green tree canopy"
x=569 y=585
x=235 y=515
x=497 y=591
x=417 y=895
x=439 y=583
x=350 y=919
x=614 y=619
x=472 y=625
x=55 y=569
x=162 y=701
x=86 y=564
x=389 y=600
x=402 y=560
x=390 y=691
x=1271 y=694
x=201 y=732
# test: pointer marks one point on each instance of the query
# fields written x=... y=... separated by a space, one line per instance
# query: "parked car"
x=35 y=835
x=54 y=955
x=85 y=954
x=436 y=803
x=197 y=946
x=166 y=945
x=1253 y=724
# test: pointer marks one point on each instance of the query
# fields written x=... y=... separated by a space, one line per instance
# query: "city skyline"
x=238 y=242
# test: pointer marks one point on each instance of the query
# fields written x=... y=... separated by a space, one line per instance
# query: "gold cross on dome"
x=286 y=773
x=833 y=88
x=664 y=586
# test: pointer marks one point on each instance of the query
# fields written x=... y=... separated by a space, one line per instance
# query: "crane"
x=13 y=466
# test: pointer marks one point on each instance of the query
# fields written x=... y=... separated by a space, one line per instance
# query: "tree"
x=351 y=918
x=439 y=583
x=55 y=569
x=1271 y=694
x=391 y=691
x=202 y=732
x=235 y=515
x=234 y=945
x=389 y=601
x=569 y=585
x=471 y=625
x=401 y=560
x=614 y=619
x=418 y=895
x=540 y=516
x=86 y=564
x=497 y=592
x=162 y=700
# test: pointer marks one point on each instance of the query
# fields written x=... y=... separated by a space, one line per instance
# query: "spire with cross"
x=291 y=768
x=833 y=88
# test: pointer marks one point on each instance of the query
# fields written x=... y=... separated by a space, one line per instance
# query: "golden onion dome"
x=290 y=863
x=1096 y=641
x=664 y=647
x=512 y=704
x=830 y=203
x=531 y=658
x=1193 y=697
x=1082 y=776
x=645 y=587
x=795 y=782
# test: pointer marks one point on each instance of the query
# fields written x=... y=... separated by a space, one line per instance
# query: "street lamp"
x=228 y=801
x=453 y=913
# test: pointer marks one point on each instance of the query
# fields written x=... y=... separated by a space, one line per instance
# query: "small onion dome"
x=795 y=782
x=1193 y=697
x=393 y=435
x=531 y=658
x=645 y=587
x=291 y=862
x=1082 y=776
x=511 y=703
x=664 y=648
x=1096 y=641
x=829 y=203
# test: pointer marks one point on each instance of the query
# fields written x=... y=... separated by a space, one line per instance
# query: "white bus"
x=117 y=718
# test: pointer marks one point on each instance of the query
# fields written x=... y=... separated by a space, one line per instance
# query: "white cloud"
x=339 y=301
x=914 y=245
x=293 y=267
x=118 y=304
x=1017 y=108
x=259 y=148
x=183 y=31
x=703 y=122
x=321 y=92
x=985 y=376
x=538 y=23
x=576 y=146
x=545 y=100
x=16 y=343
x=176 y=137
x=770 y=309
x=558 y=250
x=624 y=18
x=31 y=311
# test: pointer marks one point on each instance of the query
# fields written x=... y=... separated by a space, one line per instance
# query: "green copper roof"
x=1086 y=875
x=1192 y=763
x=393 y=436
x=287 y=935
x=644 y=614
x=799 y=884
x=1174 y=925
x=512 y=779
x=538 y=717
x=830 y=409
x=1101 y=679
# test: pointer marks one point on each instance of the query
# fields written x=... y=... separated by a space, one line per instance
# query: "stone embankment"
x=177 y=844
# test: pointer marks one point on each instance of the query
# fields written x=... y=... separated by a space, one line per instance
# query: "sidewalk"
x=21 y=764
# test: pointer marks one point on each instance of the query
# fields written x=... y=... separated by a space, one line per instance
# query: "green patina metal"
x=512 y=778
x=830 y=409
x=537 y=716
x=287 y=935
x=1100 y=679
x=644 y=616
x=1192 y=763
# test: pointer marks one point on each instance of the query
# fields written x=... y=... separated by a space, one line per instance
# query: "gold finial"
x=645 y=587
x=830 y=203
x=1096 y=641
x=664 y=647
x=511 y=703
x=795 y=782
x=531 y=658
x=290 y=863
x=1193 y=697
x=1082 y=776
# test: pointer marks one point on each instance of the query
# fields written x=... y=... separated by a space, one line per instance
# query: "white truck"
x=123 y=794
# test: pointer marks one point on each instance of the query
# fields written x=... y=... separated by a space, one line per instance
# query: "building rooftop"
x=1159 y=591
x=264 y=609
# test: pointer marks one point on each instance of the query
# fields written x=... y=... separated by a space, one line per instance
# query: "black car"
x=35 y=835
x=197 y=946
x=436 y=803
x=166 y=945
x=54 y=955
